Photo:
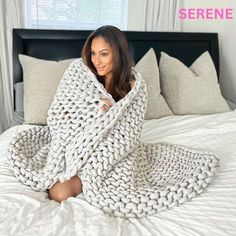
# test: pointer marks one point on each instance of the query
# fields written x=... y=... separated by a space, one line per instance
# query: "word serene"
x=206 y=13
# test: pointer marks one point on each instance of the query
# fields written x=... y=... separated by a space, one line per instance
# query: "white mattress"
x=26 y=212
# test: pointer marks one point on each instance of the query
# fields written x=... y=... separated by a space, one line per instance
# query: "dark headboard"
x=62 y=44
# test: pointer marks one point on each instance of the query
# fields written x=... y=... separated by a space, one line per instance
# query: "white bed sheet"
x=26 y=212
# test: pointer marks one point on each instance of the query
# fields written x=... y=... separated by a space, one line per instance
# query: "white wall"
x=227 y=38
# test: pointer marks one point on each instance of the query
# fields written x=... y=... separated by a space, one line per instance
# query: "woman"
x=106 y=54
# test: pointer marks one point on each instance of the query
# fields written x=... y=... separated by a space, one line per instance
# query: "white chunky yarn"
x=120 y=174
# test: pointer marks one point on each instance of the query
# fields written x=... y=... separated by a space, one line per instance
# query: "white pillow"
x=41 y=79
x=193 y=90
x=148 y=68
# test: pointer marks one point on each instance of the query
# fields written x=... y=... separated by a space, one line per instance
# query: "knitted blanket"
x=120 y=175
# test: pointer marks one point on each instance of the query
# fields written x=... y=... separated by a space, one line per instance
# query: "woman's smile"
x=100 y=68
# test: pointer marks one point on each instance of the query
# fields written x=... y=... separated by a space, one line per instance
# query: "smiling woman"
x=106 y=53
x=101 y=57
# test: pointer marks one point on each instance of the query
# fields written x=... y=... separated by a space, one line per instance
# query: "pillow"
x=18 y=115
x=18 y=118
x=156 y=104
x=41 y=79
x=193 y=90
x=19 y=93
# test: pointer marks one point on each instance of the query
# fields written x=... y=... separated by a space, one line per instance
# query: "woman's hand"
x=106 y=104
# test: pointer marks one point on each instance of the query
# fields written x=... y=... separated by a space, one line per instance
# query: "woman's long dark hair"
x=122 y=61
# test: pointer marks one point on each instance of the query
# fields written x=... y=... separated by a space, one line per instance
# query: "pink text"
x=206 y=13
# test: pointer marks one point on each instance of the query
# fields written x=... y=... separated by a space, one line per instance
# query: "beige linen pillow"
x=148 y=68
x=193 y=90
x=41 y=79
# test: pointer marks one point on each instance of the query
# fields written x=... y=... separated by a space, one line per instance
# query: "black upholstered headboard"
x=62 y=44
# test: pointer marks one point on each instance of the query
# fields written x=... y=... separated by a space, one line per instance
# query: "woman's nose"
x=97 y=60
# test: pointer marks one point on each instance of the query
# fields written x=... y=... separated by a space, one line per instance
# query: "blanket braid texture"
x=120 y=175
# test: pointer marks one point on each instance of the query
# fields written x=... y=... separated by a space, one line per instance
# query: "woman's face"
x=101 y=57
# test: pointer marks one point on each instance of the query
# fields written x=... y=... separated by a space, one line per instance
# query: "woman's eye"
x=104 y=54
x=92 y=53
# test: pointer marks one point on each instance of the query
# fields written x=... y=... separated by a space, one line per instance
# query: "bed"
x=27 y=212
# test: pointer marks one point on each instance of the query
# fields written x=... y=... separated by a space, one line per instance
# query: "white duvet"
x=26 y=212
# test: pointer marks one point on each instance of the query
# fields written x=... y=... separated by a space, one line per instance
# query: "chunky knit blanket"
x=119 y=174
